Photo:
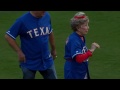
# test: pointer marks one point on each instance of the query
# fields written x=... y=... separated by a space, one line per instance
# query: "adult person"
x=76 y=52
x=35 y=31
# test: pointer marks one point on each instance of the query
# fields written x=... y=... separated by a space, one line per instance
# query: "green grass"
x=104 y=29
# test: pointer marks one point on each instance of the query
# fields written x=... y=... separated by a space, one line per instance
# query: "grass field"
x=104 y=29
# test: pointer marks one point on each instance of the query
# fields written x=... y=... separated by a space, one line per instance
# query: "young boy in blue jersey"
x=76 y=52
x=35 y=31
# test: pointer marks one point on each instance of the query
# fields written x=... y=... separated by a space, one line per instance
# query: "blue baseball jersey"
x=34 y=35
x=74 y=46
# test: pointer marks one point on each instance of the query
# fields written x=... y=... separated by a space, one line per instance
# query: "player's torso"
x=35 y=27
x=74 y=46
x=34 y=34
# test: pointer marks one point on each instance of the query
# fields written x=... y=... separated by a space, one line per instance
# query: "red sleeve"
x=81 y=57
